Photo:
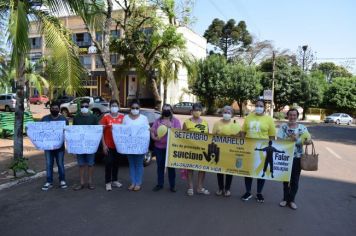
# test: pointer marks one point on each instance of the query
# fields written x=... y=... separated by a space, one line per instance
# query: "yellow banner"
x=254 y=158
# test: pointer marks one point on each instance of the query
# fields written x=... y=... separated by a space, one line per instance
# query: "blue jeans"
x=136 y=168
x=86 y=159
x=59 y=156
x=161 y=161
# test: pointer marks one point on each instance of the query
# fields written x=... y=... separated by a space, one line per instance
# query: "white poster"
x=47 y=135
x=131 y=139
x=83 y=139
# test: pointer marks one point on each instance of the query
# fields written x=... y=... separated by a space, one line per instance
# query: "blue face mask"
x=259 y=110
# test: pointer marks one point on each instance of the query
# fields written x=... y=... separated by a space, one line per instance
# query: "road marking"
x=334 y=153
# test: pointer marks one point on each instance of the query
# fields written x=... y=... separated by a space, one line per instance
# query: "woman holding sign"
x=300 y=135
x=111 y=155
x=159 y=132
x=136 y=160
x=226 y=126
x=260 y=126
x=196 y=124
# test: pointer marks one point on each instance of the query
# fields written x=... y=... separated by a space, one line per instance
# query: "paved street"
x=326 y=200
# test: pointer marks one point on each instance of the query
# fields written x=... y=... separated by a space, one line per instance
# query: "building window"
x=86 y=61
x=91 y=81
x=82 y=39
x=98 y=62
x=36 y=42
x=35 y=57
x=114 y=59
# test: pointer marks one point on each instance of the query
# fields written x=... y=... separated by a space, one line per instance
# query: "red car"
x=38 y=99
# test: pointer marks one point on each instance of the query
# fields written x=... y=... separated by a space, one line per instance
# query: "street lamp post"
x=273 y=69
x=305 y=47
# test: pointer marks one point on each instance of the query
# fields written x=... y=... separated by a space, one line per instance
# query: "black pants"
x=228 y=180
x=290 y=188
x=270 y=162
x=112 y=165
x=248 y=184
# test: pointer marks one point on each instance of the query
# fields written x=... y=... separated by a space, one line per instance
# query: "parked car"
x=8 y=102
x=60 y=100
x=339 y=118
x=38 y=99
x=97 y=105
x=151 y=115
x=184 y=108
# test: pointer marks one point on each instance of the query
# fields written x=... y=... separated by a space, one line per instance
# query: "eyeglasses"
x=135 y=108
x=84 y=106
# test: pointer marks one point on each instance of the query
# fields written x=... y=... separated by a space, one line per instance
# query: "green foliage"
x=341 y=95
x=279 y=115
x=19 y=164
x=310 y=93
x=228 y=37
x=331 y=70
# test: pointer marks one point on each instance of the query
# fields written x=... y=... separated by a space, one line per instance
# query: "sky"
x=328 y=27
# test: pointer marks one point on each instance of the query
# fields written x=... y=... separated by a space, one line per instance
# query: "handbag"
x=309 y=161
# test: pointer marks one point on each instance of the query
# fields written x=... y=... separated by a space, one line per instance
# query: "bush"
x=279 y=115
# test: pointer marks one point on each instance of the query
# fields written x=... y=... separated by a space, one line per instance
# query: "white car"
x=339 y=118
x=8 y=102
x=97 y=105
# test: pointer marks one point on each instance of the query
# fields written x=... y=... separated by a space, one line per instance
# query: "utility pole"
x=273 y=70
x=305 y=47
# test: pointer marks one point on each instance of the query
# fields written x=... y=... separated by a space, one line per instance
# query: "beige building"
x=130 y=87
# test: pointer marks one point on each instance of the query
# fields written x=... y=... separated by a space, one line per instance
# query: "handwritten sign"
x=83 y=139
x=131 y=139
x=46 y=135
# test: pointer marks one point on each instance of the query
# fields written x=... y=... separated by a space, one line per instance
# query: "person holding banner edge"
x=196 y=124
x=57 y=154
x=85 y=161
x=111 y=155
x=261 y=126
x=135 y=160
x=226 y=126
x=159 y=132
x=294 y=132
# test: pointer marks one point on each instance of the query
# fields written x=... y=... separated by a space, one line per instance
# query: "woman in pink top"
x=160 y=127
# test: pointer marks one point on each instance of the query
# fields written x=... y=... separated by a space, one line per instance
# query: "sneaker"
x=260 y=198
x=247 y=196
x=283 y=203
x=108 y=187
x=47 y=186
x=293 y=205
x=190 y=192
x=219 y=192
x=173 y=189
x=116 y=184
x=63 y=184
x=157 y=188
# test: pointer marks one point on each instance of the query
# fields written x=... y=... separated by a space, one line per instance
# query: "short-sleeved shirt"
x=141 y=120
x=284 y=131
x=89 y=119
x=230 y=128
x=108 y=121
x=202 y=127
x=59 y=118
x=162 y=143
x=260 y=127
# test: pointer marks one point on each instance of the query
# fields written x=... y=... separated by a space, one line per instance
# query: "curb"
x=30 y=178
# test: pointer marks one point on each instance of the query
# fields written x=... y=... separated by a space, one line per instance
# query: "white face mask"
x=227 y=116
x=259 y=110
x=84 y=110
x=114 y=109
x=135 y=112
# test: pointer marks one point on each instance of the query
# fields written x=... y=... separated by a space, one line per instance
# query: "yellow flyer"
x=256 y=158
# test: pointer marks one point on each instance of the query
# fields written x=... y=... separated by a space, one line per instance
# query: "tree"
x=230 y=38
x=210 y=81
x=341 y=95
x=310 y=93
x=20 y=15
x=257 y=51
x=305 y=57
x=243 y=84
x=331 y=70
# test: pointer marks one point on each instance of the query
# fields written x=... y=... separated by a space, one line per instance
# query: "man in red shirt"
x=111 y=155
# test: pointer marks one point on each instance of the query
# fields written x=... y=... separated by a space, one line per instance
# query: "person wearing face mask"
x=135 y=160
x=260 y=126
x=226 y=126
x=196 y=124
x=293 y=131
x=57 y=154
x=85 y=161
x=111 y=155
x=159 y=132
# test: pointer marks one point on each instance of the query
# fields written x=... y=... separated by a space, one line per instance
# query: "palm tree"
x=20 y=16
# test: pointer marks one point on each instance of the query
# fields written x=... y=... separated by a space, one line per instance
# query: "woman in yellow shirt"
x=261 y=126
x=226 y=126
x=196 y=124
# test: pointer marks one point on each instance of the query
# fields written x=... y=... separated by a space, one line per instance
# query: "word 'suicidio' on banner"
x=254 y=158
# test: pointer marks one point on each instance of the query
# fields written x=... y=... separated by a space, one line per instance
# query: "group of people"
x=257 y=125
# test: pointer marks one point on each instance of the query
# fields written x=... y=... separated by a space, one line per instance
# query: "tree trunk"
x=241 y=110
x=19 y=110
x=156 y=95
x=165 y=87
x=304 y=112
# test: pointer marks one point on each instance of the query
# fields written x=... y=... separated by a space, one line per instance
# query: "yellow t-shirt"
x=257 y=126
x=203 y=127
x=231 y=128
